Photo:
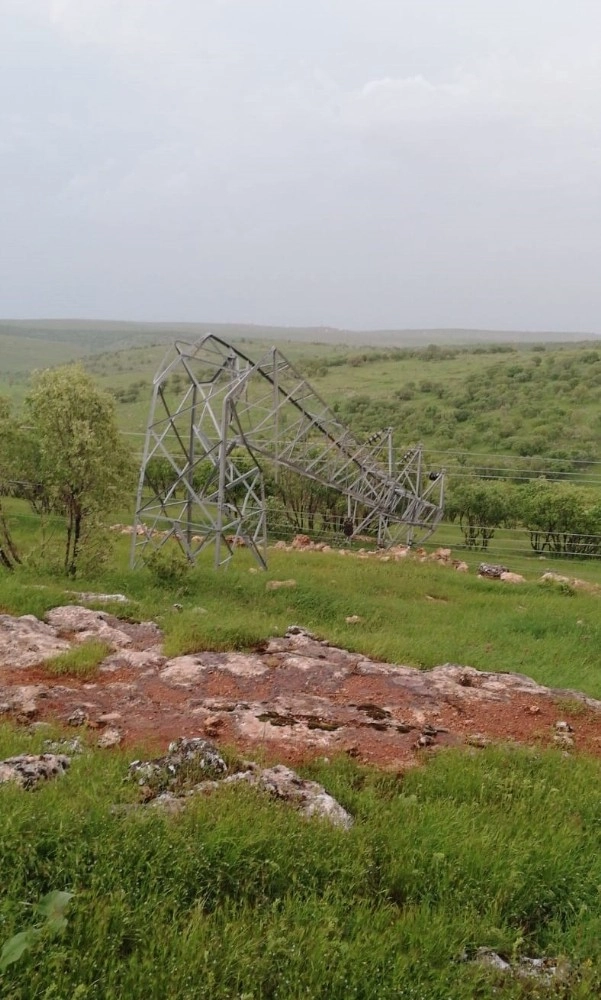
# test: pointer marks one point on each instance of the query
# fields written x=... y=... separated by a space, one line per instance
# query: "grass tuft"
x=81 y=661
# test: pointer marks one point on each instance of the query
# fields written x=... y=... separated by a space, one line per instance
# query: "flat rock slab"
x=26 y=641
x=299 y=697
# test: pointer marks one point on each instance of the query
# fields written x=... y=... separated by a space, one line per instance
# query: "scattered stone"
x=302 y=542
x=212 y=724
x=571 y=581
x=100 y=598
x=187 y=760
x=299 y=630
x=512 y=578
x=108 y=718
x=490 y=958
x=354 y=619
x=563 y=727
x=68 y=747
x=280 y=584
x=478 y=740
x=28 y=770
x=545 y=970
x=425 y=740
x=78 y=718
x=534 y=709
x=110 y=738
x=491 y=571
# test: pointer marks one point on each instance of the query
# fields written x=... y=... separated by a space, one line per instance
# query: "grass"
x=80 y=661
x=552 y=636
x=240 y=897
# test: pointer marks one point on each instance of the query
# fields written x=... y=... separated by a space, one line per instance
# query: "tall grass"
x=241 y=897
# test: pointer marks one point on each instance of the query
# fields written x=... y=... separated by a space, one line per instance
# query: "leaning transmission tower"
x=218 y=419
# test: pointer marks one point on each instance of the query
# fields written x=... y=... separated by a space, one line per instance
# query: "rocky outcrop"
x=168 y=781
x=26 y=641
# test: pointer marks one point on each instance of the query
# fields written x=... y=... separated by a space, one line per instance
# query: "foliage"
x=168 y=566
x=83 y=463
x=480 y=506
x=52 y=907
x=9 y=554
x=561 y=518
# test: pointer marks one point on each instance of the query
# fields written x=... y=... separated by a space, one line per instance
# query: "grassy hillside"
x=501 y=406
x=239 y=897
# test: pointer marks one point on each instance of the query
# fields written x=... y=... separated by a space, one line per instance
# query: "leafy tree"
x=9 y=555
x=480 y=506
x=84 y=466
x=561 y=518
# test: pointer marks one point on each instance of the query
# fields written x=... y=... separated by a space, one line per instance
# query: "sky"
x=351 y=163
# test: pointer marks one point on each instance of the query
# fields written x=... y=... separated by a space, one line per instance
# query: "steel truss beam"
x=217 y=418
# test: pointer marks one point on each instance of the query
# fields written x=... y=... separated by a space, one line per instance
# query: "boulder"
x=491 y=571
x=28 y=770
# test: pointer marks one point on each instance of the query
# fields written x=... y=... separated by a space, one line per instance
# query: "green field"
x=240 y=897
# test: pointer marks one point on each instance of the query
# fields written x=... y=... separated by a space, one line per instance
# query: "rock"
x=29 y=709
x=310 y=798
x=27 y=770
x=512 y=578
x=545 y=970
x=100 y=598
x=478 y=740
x=108 y=718
x=26 y=642
x=491 y=571
x=564 y=741
x=571 y=581
x=77 y=718
x=354 y=619
x=110 y=738
x=212 y=724
x=68 y=747
x=425 y=740
x=461 y=567
x=490 y=958
x=294 y=630
x=85 y=624
x=187 y=760
x=563 y=727
x=302 y=542
x=280 y=584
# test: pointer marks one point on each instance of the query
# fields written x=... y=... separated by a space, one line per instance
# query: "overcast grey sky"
x=358 y=163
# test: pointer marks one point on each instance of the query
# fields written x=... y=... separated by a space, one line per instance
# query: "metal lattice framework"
x=217 y=418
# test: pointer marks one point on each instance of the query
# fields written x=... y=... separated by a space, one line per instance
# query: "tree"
x=84 y=467
x=562 y=518
x=480 y=506
x=9 y=554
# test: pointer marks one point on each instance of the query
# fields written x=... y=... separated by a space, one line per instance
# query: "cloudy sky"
x=357 y=163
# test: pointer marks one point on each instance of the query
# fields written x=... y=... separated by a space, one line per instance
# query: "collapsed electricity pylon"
x=217 y=418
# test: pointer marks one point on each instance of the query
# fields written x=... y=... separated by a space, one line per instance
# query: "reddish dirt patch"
x=300 y=699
